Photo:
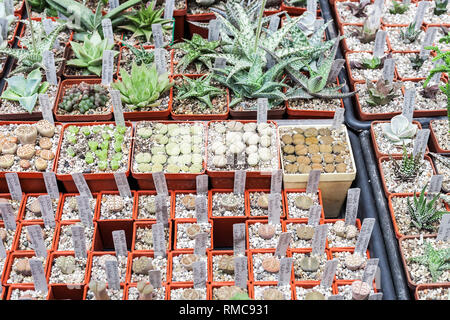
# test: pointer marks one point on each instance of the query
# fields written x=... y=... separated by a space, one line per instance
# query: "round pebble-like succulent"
x=266 y=231
x=142 y=265
x=66 y=264
x=47 y=154
x=265 y=141
x=253 y=139
x=26 y=151
x=45 y=143
x=115 y=203
x=35 y=207
x=190 y=294
x=227 y=292
x=172 y=149
x=314 y=295
x=264 y=154
x=235 y=126
x=271 y=264
x=25 y=164
x=229 y=202
x=237 y=147
x=303 y=202
x=272 y=294
x=9 y=148
x=145 y=167
x=263 y=201
x=226 y=264
x=354 y=261
x=251 y=150
x=143 y=157
x=45 y=128
x=253 y=159
x=218 y=148
x=311 y=132
x=188 y=201
x=250 y=127
x=27 y=134
x=187 y=260
x=23 y=267
x=40 y=164
x=309 y=263
x=193 y=231
x=287 y=139
x=348 y=232
x=305 y=232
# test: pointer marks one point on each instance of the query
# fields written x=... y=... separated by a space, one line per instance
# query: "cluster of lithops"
x=342 y=235
x=235 y=145
x=182 y=265
x=85 y=98
x=94 y=148
x=68 y=269
x=311 y=148
x=113 y=206
x=350 y=265
x=28 y=147
x=171 y=148
x=228 y=204
x=188 y=232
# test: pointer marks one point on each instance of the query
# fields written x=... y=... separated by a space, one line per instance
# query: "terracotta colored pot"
x=254 y=221
x=68 y=223
x=10 y=262
x=182 y=192
x=22 y=228
x=423 y=287
x=358 y=25
x=211 y=255
x=292 y=10
x=293 y=252
x=139 y=193
x=147 y=224
x=285 y=199
x=434 y=144
x=23 y=208
x=93 y=254
x=68 y=286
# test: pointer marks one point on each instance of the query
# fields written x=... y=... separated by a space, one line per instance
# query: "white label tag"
x=112 y=274
x=220 y=63
x=122 y=184
x=113 y=4
x=48 y=58
x=200 y=244
x=283 y=244
x=380 y=41
x=435 y=185
x=107 y=67
x=51 y=184
x=328 y=273
x=420 y=142
x=444 y=228
x=81 y=184
x=202 y=184
x=8 y=216
x=79 y=241
x=436 y=78
x=336 y=68
x=276 y=181
x=120 y=243
x=318 y=24
x=239 y=238
x=49 y=26
x=84 y=210
x=370 y=270
x=116 y=99
x=4 y=28
x=12 y=179
x=311 y=6
x=388 y=70
x=313 y=182
x=9 y=7
x=364 y=236
x=46 y=108
x=48 y=214
x=284 y=275
x=160 y=183
x=336 y=297
x=314 y=215
x=201 y=209
x=160 y=60
x=3 y=253
x=274 y=212
x=155 y=278
x=338 y=118
x=409 y=103
x=240 y=272
x=159 y=241
x=38 y=274
x=430 y=34
x=239 y=181
x=351 y=210
x=168 y=9
x=319 y=239
x=37 y=240
x=420 y=14
x=274 y=23
x=376 y=296
x=108 y=30
x=263 y=104
x=162 y=215
x=200 y=274
x=158 y=35
x=214 y=30
x=379 y=5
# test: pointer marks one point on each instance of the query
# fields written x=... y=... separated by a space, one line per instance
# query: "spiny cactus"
x=382 y=92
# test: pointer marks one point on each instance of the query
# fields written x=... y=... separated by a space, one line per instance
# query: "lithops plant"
x=263 y=201
x=400 y=130
x=188 y=201
x=227 y=292
x=99 y=290
x=190 y=294
x=115 y=204
x=305 y=232
x=303 y=202
x=266 y=231
x=354 y=261
x=142 y=265
x=226 y=264
x=23 y=267
x=314 y=295
x=341 y=230
x=230 y=202
x=360 y=290
x=187 y=260
x=146 y=290
x=193 y=230
x=27 y=134
x=309 y=263
x=272 y=294
x=66 y=264
x=271 y=264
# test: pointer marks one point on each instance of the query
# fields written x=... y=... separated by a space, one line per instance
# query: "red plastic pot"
x=296 y=11
x=67 y=286
x=139 y=193
x=434 y=143
x=19 y=255
x=23 y=208
x=211 y=255
x=22 y=228
x=255 y=221
x=21 y=287
x=306 y=251
x=251 y=275
x=58 y=232
x=93 y=254
x=424 y=287
x=174 y=203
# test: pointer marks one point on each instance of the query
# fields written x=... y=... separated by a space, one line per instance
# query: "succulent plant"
x=146 y=291
x=358 y=10
x=66 y=264
x=99 y=290
x=436 y=260
x=309 y=263
x=440 y=7
x=141 y=56
x=360 y=290
x=84 y=97
x=417 y=61
x=411 y=34
x=25 y=90
x=199 y=89
x=430 y=92
x=399 y=131
x=142 y=265
x=398 y=7
x=89 y=55
x=143 y=86
x=423 y=213
x=382 y=92
x=314 y=295
x=409 y=168
x=367 y=32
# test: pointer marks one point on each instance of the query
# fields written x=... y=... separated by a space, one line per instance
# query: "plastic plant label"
x=338 y=118
x=444 y=228
x=276 y=181
x=214 y=30
x=420 y=14
x=168 y=9
x=162 y=214
x=202 y=184
x=436 y=78
x=388 y=70
x=311 y=6
x=116 y=100
x=120 y=243
x=38 y=274
x=3 y=253
x=48 y=58
x=159 y=242
x=435 y=185
x=430 y=35
x=112 y=274
x=379 y=5
x=200 y=275
x=160 y=183
x=160 y=60
x=46 y=108
x=318 y=24
x=8 y=216
x=240 y=158
x=336 y=297
x=274 y=23
x=239 y=239
x=4 y=28
x=107 y=67
x=220 y=63
x=108 y=30
x=155 y=278
x=351 y=210
x=200 y=244
x=201 y=209
x=51 y=185
x=376 y=296
x=380 y=42
x=314 y=215
x=263 y=104
x=113 y=4
x=79 y=241
x=122 y=184
x=37 y=240
x=370 y=270
x=313 y=182
x=84 y=210
x=274 y=211
x=420 y=142
x=239 y=181
x=240 y=272
x=49 y=26
x=283 y=244
x=319 y=239
x=284 y=275
x=336 y=68
x=158 y=35
x=15 y=190
x=48 y=215
x=9 y=7
x=82 y=186
x=328 y=273
x=364 y=236
x=409 y=104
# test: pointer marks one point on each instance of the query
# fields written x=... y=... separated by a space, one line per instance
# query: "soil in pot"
x=346 y=16
x=146 y=206
x=339 y=237
x=309 y=266
x=305 y=292
x=265 y=266
x=432 y=18
x=194 y=8
x=7 y=237
x=158 y=293
x=443 y=168
x=226 y=292
x=354 y=43
x=69 y=210
x=433 y=293
x=299 y=203
x=272 y=292
x=32 y=210
x=363 y=74
x=394 y=34
x=247 y=105
x=113 y=294
x=25 y=293
x=301 y=234
x=404 y=18
x=440 y=129
x=386 y=146
x=142 y=264
x=345 y=290
x=227 y=204
x=24 y=241
x=114 y=207
x=20 y=269
x=127 y=36
x=98 y=267
x=259 y=204
x=222 y=267
x=427 y=104
x=15 y=205
x=185 y=206
x=65 y=240
x=178 y=54
x=394 y=105
x=144 y=237
x=182 y=266
x=67 y=269
x=405 y=68
x=187 y=293
x=263 y=235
